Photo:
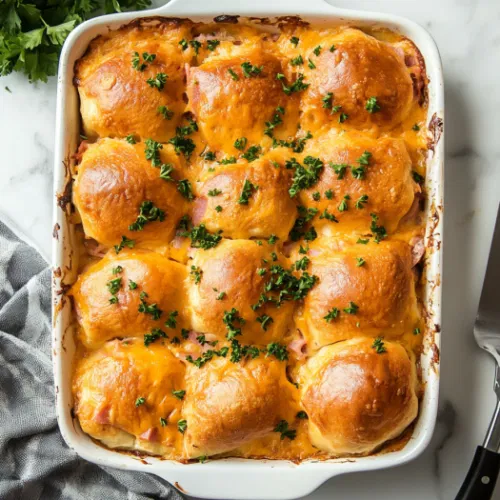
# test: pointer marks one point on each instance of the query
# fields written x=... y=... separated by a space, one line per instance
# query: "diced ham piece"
x=81 y=149
x=151 y=435
x=417 y=249
x=102 y=416
x=413 y=213
x=94 y=248
x=199 y=209
x=177 y=242
x=298 y=346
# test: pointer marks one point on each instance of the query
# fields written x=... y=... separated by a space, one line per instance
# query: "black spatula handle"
x=482 y=476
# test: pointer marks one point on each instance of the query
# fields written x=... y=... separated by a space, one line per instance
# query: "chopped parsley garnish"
x=363 y=199
x=158 y=81
x=114 y=286
x=147 y=213
x=221 y=296
x=181 y=143
x=310 y=234
x=285 y=431
x=202 y=238
x=208 y=156
x=214 y=192
x=297 y=145
x=155 y=334
x=378 y=345
x=117 y=270
x=252 y=153
x=130 y=139
x=196 y=274
x=274 y=257
x=163 y=422
x=172 y=320
x=179 y=394
x=316 y=196
x=364 y=159
x=416 y=331
x=250 y=70
x=360 y=261
x=241 y=143
x=294 y=41
x=372 y=106
x=277 y=350
x=228 y=161
x=416 y=127
x=140 y=401
x=343 y=204
x=275 y=121
x=132 y=285
x=218 y=208
x=196 y=45
x=305 y=176
x=297 y=86
x=352 y=308
x=124 y=243
x=202 y=459
x=230 y=319
x=310 y=64
x=339 y=169
x=165 y=112
x=182 y=426
x=151 y=309
x=184 y=45
x=362 y=241
x=297 y=61
x=152 y=151
x=305 y=216
x=328 y=103
x=272 y=239
x=165 y=170
x=332 y=48
x=212 y=44
x=419 y=179
x=343 y=117
x=329 y=194
x=136 y=60
x=379 y=231
x=332 y=314
x=317 y=50
x=302 y=415
x=246 y=193
x=234 y=76
x=184 y=187
x=264 y=321
x=328 y=216
x=301 y=264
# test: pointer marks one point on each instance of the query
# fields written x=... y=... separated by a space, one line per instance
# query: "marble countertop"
x=467 y=35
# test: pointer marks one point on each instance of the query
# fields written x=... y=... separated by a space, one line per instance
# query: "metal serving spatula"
x=482 y=476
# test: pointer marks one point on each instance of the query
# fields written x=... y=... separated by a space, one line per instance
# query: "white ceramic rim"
x=239 y=478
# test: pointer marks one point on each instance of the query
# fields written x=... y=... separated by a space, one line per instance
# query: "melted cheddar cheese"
x=249 y=202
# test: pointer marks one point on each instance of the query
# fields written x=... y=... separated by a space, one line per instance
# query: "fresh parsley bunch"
x=33 y=32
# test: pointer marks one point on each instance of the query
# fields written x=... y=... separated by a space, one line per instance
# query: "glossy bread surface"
x=248 y=202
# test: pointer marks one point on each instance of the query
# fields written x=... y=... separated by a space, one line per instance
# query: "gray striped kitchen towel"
x=35 y=463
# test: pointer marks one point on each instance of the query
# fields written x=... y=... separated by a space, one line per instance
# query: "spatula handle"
x=482 y=476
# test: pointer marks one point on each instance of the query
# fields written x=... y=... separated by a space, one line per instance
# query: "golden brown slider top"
x=361 y=176
x=116 y=184
x=130 y=81
x=130 y=295
x=232 y=98
x=232 y=276
x=362 y=290
x=365 y=77
x=246 y=200
x=358 y=394
x=229 y=404
x=124 y=396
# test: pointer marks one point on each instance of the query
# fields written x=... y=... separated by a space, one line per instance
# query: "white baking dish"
x=238 y=478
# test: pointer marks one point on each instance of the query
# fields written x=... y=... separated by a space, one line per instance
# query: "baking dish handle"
x=218 y=7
